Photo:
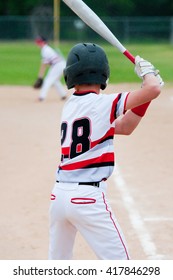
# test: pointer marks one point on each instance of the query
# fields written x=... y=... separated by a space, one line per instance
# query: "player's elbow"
x=152 y=86
x=155 y=90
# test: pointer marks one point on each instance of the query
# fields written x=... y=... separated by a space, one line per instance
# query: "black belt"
x=95 y=184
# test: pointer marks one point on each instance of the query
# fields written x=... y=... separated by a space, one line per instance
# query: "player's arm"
x=39 y=81
x=42 y=70
x=126 y=124
x=151 y=86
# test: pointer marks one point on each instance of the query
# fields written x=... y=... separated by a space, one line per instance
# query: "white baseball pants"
x=85 y=209
x=53 y=77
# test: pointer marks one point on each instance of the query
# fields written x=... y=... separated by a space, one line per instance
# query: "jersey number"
x=80 y=137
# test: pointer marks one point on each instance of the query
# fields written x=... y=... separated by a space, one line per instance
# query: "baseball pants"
x=53 y=78
x=84 y=208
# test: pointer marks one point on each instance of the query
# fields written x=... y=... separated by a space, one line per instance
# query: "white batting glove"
x=143 y=67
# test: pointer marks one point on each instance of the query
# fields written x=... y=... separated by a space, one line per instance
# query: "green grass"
x=19 y=61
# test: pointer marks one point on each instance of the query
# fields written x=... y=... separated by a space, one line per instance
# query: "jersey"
x=87 y=132
x=50 y=56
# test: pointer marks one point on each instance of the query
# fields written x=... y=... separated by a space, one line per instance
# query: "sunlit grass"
x=19 y=61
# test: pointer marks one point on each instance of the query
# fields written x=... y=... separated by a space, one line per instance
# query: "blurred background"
x=130 y=20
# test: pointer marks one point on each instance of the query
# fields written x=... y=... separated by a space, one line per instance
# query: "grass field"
x=20 y=61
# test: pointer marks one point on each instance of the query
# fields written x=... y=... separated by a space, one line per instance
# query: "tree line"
x=101 y=7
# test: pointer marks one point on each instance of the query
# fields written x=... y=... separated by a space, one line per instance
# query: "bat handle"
x=129 y=56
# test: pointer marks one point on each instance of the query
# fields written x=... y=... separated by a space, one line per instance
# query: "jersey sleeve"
x=118 y=105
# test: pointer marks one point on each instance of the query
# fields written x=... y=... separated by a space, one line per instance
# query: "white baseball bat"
x=93 y=21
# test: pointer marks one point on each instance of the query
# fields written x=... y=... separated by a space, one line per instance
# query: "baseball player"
x=56 y=64
x=89 y=121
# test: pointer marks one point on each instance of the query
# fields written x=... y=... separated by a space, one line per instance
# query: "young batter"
x=89 y=121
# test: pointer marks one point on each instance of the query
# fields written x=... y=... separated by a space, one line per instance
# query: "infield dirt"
x=30 y=153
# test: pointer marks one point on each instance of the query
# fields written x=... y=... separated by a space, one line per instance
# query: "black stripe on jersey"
x=107 y=138
x=66 y=156
x=115 y=112
x=101 y=164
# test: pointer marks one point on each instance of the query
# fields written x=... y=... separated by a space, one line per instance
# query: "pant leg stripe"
x=115 y=226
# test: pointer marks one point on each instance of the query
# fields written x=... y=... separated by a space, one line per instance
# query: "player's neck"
x=87 y=87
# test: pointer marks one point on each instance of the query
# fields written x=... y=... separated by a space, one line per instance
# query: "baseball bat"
x=93 y=21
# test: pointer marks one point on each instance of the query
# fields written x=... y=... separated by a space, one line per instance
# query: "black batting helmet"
x=86 y=64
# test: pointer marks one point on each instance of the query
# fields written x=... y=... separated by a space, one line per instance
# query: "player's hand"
x=143 y=67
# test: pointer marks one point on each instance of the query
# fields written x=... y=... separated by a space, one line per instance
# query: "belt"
x=95 y=184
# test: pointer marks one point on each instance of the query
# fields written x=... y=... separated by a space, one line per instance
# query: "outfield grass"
x=19 y=61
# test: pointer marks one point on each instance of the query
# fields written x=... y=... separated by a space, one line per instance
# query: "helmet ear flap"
x=86 y=64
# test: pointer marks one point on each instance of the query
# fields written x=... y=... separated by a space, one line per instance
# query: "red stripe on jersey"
x=110 y=133
x=109 y=157
x=114 y=108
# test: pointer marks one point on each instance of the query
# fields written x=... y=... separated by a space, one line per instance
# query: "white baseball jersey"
x=87 y=131
x=50 y=56
x=54 y=74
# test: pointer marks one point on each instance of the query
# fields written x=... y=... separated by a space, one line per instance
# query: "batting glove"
x=143 y=67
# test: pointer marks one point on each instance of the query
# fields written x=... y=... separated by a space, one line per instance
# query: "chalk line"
x=136 y=220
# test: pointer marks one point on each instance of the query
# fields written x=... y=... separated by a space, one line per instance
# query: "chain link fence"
x=128 y=29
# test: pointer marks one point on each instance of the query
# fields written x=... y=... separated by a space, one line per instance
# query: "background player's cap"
x=40 y=39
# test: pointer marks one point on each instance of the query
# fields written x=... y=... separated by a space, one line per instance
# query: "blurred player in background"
x=56 y=63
